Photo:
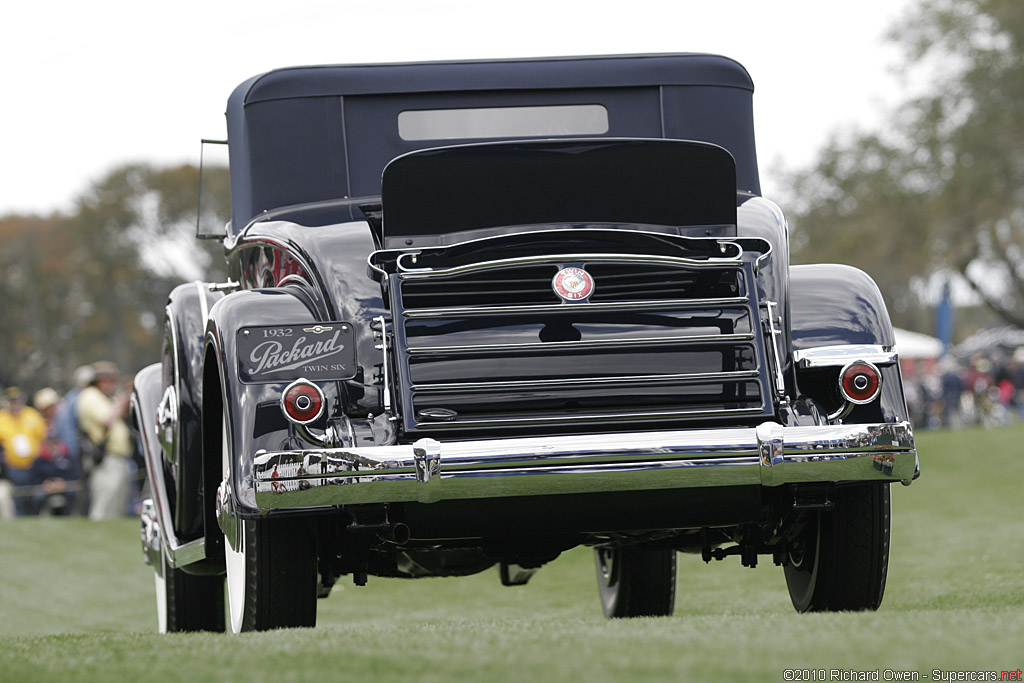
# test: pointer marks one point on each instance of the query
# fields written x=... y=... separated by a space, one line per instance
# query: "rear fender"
x=146 y=393
x=251 y=409
x=835 y=305
x=180 y=402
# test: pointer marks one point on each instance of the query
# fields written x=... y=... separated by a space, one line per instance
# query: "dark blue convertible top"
x=309 y=134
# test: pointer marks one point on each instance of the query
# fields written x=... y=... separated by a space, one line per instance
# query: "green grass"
x=76 y=603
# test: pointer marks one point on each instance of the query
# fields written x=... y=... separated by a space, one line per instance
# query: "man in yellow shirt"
x=22 y=432
x=101 y=412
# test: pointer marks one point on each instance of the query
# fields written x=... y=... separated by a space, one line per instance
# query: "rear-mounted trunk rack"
x=447 y=382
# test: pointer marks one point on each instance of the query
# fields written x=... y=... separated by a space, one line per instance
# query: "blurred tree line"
x=941 y=191
x=92 y=284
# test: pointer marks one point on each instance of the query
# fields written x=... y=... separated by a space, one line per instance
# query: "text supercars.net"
x=898 y=675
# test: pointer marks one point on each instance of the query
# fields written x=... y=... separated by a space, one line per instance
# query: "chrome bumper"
x=429 y=471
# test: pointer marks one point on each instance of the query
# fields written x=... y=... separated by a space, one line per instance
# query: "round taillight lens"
x=302 y=402
x=859 y=382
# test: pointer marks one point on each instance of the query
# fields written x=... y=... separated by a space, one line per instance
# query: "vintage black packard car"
x=480 y=313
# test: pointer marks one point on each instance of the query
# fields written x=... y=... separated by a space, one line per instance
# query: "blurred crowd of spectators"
x=985 y=390
x=69 y=455
x=73 y=455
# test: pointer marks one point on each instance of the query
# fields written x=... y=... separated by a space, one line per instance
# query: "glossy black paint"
x=333 y=285
x=834 y=305
x=247 y=406
x=760 y=218
x=184 y=328
x=435 y=192
x=146 y=391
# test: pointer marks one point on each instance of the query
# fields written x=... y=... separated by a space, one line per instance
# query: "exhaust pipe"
x=398 y=533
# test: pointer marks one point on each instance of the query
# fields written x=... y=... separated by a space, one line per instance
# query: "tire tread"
x=851 y=553
x=645 y=583
x=194 y=603
x=280 y=575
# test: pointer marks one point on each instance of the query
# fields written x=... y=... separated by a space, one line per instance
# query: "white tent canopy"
x=1004 y=338
x=916 y=345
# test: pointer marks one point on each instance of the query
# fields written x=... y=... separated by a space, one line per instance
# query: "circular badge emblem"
x=573 y=284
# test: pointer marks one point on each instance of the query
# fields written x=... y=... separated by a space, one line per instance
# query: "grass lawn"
x=76 y=604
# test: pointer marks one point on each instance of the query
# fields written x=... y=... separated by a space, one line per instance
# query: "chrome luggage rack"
x=699 y=316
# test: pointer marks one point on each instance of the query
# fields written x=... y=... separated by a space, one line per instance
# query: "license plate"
x=280 y=353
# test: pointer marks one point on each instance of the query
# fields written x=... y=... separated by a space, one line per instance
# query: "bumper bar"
x=428 y=470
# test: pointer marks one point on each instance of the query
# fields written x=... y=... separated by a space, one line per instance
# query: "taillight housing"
x=860 y=382
x=302 y=402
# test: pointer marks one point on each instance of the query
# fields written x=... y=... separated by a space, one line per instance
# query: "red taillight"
x=302 y=401
x=859 y=382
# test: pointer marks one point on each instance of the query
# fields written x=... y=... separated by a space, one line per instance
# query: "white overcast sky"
x=88 y=85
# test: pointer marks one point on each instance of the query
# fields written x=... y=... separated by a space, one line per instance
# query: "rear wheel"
x=271 y=570
x=635 y=581
x=840 y=560
x=188 y=603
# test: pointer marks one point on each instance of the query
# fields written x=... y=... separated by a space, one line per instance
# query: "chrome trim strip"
x=204 y=307
x=178 y=554
x=296 y=279
x=555 y=228
x=775 y=358
x=625 y=379
x=187 y=553
x=407 y=273
x=559 y=309
x=583 y=344
x=841 y=413
x=574 y=418
x=169 y=318
x=245 y=241
x=149 y=535
x=383 y=348
x=428 y=470
x=374 y=268
x=840 y=355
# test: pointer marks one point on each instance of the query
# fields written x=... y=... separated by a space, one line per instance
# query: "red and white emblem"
x=573 y=284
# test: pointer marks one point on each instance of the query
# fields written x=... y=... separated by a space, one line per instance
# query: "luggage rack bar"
x=589 y=418
x=563 y=346
x=694 y=377
x=409 y=273
x=596 y=307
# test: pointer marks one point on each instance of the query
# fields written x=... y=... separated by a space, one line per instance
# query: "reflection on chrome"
x=841 y=355
x=429 y=470
x=149 y=534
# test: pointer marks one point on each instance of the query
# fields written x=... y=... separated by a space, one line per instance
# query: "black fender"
x=142 y=409
x=180 y=404
x=145 y=396
x=251 y=410
x=837 y=305
x=762 y=218
x=333 y=264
